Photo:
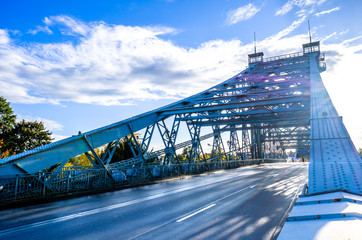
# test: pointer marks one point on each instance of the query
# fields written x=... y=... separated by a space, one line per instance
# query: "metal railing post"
x=105 y=177
x=68 y=181
x=16 y=186
x=25 y=187
x=88 y=179
x=44 y=185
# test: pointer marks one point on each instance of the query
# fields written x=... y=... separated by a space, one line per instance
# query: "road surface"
x=245 y=203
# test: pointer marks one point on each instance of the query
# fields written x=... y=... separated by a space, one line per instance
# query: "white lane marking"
x=172 y=220
x=175 y=219
x=193 y=214
x=107 y=208
x=213 y=203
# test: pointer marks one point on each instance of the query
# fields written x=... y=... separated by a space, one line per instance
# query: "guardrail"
x=75 y=181
x=285 y=56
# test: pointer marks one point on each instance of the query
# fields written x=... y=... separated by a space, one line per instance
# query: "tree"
x=81 y=160
x=3 y=154
x=7 y=116
x=19 y=137
x=184 y=156
x=24 y=136
x=7 y=121
x=123 y=150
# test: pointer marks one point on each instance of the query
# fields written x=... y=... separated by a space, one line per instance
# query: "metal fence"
x=285 y=56
x=72 y=181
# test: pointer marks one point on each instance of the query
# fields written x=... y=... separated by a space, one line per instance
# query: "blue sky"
x=79 y=65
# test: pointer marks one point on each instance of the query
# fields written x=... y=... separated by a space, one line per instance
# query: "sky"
x=82 y=64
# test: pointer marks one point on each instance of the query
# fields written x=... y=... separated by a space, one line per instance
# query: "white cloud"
x=58 y=137
x=328 y=37
x=327 y=12
x=51 y=125
x=114 y=64
x=342 y=78
x=4 y=37
x=111 y=64
x=286 y=8
x=289 y=29
x=344 y=32
x=241 y=14
x=72 y=26
x=299 y=3
x=351 y=40
x=344 y=84
x=40 y=29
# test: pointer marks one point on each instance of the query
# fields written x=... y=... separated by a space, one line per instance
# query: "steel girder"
x=263 y=95
x=218 y=146
x=234 y=145
x=269 y=104
x=196 y=152
x=169 y=139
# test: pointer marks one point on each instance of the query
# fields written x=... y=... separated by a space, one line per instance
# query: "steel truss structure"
x=275 y=104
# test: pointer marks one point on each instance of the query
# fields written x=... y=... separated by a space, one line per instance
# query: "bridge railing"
x=80 y=181
x=285 y=56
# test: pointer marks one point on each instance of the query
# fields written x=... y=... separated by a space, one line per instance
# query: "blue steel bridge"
x=255 y=117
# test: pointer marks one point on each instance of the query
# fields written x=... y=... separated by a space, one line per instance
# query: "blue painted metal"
x=234 y=145
x=168 y=140
x=217 y=145
x=75 y=180
x=147 y=138
x=273 y=105
x=107 y=157
x=196 y=152
x=334 y=161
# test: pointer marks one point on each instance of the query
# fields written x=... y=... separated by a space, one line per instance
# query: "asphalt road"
x=246 y=203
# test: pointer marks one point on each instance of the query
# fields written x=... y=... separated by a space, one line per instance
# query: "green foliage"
x=19 y=137
x=7 y=121
x=3 y=154
x=123 y=150
x=184 y=156
x=7 y=116
x=82 y=160
x=24 y=136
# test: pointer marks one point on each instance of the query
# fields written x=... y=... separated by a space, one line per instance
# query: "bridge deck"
x=246 y=203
